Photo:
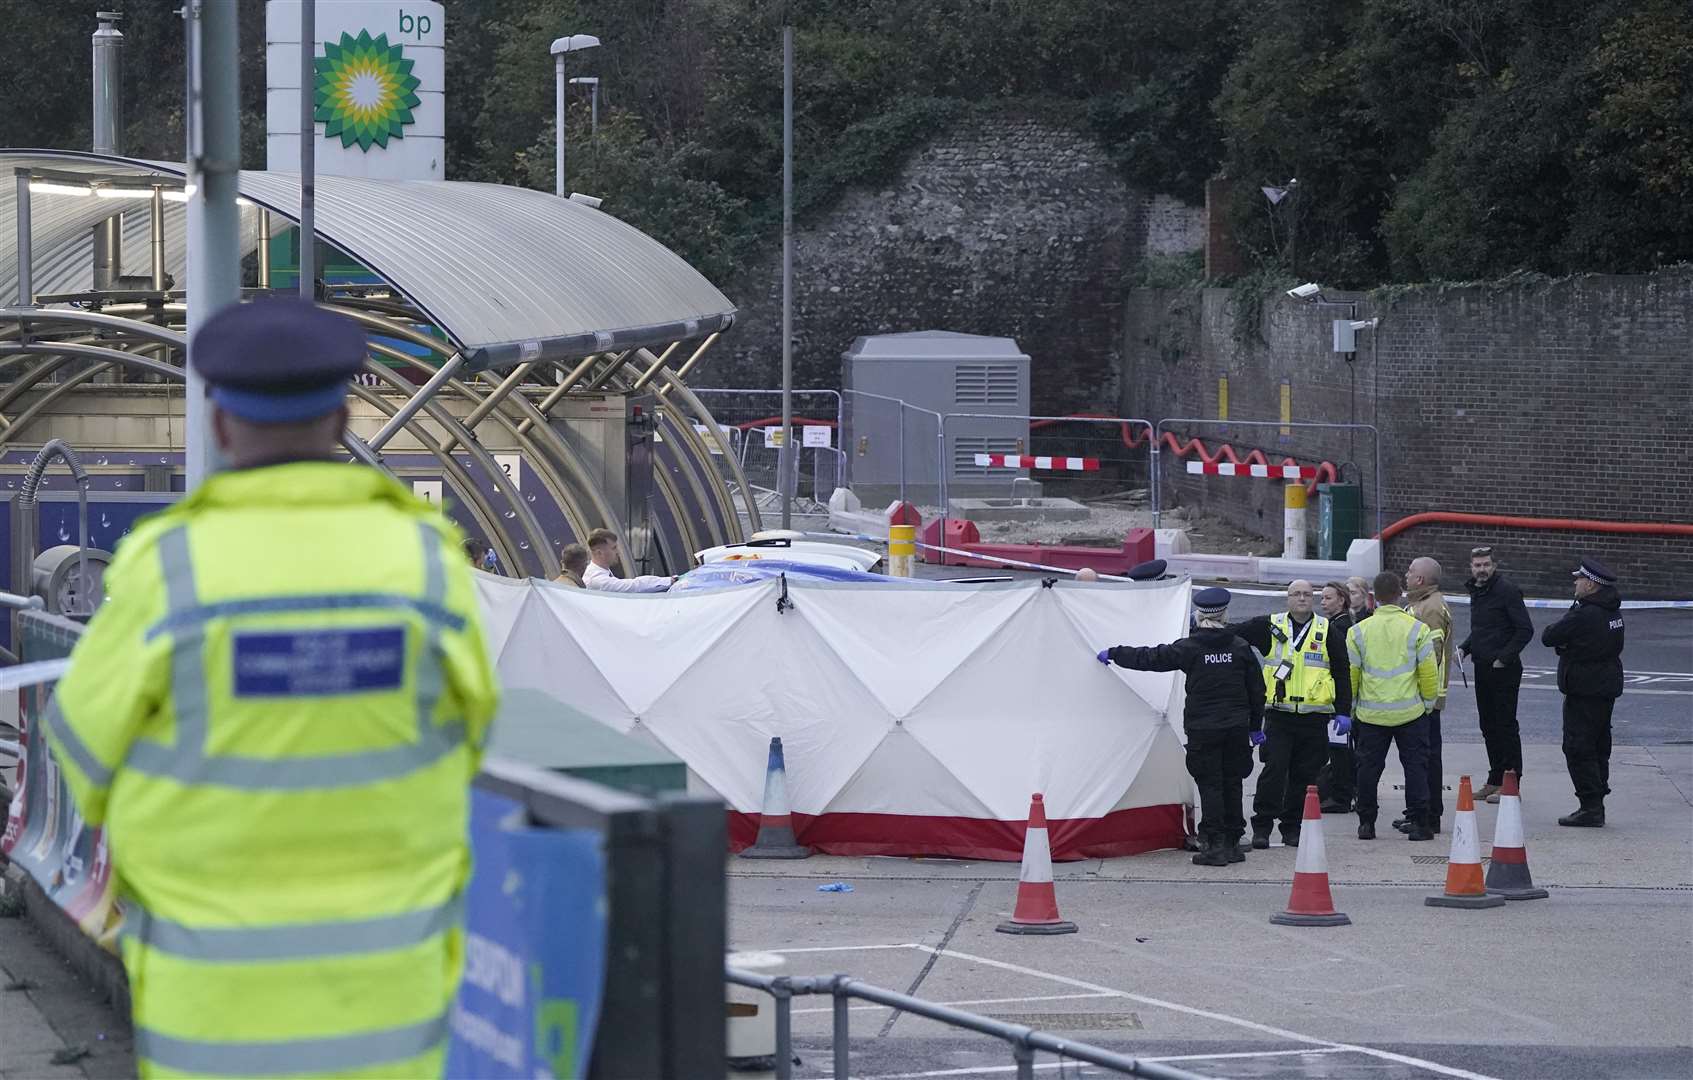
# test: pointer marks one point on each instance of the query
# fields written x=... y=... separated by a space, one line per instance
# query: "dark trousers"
x=1295 y=748
x=1436 y=769
x=1338 y=780
x=1496 y=692
x=1373 y=741
x=1218 y=761
x=1587 y=748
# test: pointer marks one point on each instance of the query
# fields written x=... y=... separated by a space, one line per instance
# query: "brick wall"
x=1012 y=225
x=1563 y=399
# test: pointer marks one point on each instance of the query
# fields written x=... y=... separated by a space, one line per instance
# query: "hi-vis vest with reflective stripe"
x=1310 y=688
x=1395 y=675
x=278 y=713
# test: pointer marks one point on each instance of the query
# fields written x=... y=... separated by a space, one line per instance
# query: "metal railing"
x=1025 y=1041
x=791 y=482
x=1118 y=422
x=940 y=437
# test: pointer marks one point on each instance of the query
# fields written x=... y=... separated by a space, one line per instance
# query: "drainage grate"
x=1072 y=1021
x=1438 y=860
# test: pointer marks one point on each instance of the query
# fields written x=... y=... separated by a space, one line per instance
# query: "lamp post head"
x=574 y=43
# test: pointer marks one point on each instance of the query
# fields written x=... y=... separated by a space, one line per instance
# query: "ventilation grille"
x=985 y=384
x=966 y=447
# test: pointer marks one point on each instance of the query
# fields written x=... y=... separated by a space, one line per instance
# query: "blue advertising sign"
x=535 y=940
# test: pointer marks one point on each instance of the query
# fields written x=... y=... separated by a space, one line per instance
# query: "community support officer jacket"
x=277 y=714
x=1499 y=626
x=1225 y=687
x=1589 y=643
x=1256 y=633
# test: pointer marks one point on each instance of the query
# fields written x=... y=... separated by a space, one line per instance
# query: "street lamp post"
x=569 y=43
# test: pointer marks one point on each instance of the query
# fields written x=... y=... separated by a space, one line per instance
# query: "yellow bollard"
x=1293 y=522
x=902 y=547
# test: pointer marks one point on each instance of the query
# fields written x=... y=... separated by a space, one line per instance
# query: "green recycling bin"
x=1340 y=519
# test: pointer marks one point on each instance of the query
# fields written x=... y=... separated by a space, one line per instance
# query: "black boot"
x=1419 y=830
x=1588 y=817
x=1290 y=837
x=1232 y=850
x=1366 y=828
x=1213 y=855
x=1260 y=837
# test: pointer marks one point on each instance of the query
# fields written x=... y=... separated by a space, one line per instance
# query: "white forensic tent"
x=916 y=717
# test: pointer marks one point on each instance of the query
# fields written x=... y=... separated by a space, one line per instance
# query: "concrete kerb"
x=85 y=956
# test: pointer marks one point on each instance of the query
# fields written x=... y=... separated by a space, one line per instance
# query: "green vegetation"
x=1432 y=139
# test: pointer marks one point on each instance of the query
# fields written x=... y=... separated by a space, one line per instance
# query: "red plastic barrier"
x=1138 y=546
x=1134 y=436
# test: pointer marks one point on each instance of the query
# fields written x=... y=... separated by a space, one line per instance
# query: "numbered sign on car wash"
x=378 y=88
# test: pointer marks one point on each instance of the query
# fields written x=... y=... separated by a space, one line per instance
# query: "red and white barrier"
x=1024 y=461
x=1263 y=472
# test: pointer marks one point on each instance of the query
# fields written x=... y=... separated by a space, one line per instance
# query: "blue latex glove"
x=1343 y=723
x=1105 y=657
x=1256 y=738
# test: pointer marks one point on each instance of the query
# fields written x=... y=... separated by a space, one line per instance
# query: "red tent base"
x=1123 y=832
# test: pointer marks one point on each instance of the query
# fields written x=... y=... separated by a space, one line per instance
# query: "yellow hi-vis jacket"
x=1309 y=688
x=1395 y=669
x=277 y=715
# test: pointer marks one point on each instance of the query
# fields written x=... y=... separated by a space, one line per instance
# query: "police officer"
x=1395 y=682
x=1307 y=685
x=1223 y=716
x=1589 y=643
x=277 y=715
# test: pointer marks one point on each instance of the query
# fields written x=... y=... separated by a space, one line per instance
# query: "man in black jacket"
x=1308 y=684
x=1223 y=717
x=1589 y=643
x=1499 y=628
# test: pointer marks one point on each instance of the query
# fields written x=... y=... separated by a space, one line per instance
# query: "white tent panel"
x=501 y=599
x=1032 y=710
x=876 y=630
x=899 y=766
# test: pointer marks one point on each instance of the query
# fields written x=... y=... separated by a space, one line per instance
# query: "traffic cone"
x=776 y=824
x=1311 y=904
x=1507 y=870
x=1037 y=902
x=1464 y=887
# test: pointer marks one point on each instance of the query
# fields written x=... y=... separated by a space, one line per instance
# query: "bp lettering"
x=315 y=663
x=417 y=26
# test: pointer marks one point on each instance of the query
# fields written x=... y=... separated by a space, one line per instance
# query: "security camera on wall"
x=1305 y=291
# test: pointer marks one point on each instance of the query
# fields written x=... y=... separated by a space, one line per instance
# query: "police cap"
x=1594 y=569
x=1212 y=601
x=278 y=361
x=1151 y=570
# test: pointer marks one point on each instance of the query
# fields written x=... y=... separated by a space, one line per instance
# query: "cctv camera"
x=594 y=204
x=1305 y=291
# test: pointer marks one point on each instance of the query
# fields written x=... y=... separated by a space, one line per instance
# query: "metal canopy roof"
x=509 y=274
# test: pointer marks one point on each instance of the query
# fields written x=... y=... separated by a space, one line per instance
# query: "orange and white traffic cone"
x=1037 y=901
x=1464 y=886
x=775 y=823
x=1311 y=904
x=1507 y=870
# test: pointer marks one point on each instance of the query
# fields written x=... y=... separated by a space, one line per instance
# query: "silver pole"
x=786 y=455
x=410 y=409
x=558 y=125
x=26 y=287
x=108 y=139
x=214 y=222
x=264 y=248
x=308 y=151
x=156 y=238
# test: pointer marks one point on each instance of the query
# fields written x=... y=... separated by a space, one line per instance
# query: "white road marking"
x=981 y=1070
x=974 y=1001
x=828 y=948
x=1250 y=1025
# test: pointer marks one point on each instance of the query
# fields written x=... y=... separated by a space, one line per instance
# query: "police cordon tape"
x=1453 y=598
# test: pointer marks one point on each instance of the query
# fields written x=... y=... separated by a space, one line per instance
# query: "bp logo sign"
x=365 y=90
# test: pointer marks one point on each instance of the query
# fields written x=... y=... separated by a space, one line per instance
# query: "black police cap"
x=278 y=360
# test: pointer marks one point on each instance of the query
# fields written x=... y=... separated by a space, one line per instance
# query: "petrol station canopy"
x=508 y=274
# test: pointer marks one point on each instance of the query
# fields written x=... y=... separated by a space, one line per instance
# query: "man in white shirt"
x=602 y=549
